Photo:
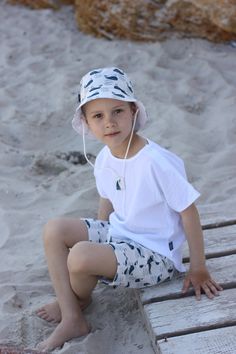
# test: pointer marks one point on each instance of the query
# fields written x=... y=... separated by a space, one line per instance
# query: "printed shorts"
x=137 y=266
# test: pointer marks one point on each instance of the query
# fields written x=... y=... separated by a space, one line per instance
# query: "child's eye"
x=97 y=116
x=118 y=110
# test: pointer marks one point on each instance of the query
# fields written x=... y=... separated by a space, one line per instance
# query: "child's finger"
x=197 y=290
x=186 y=285
x=214 y=288
x=217 y=286
x=209 y=290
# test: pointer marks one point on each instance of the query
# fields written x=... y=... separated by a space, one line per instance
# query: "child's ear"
x=83 y=117
x=133 y=108
x=85 y=123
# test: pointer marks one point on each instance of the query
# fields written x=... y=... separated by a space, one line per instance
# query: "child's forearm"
x=193 y=232
x=198 y=275
x=105 y=209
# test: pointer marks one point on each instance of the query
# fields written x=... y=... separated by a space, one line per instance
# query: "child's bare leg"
x=57 y=244
x=86 y=262
x=66 y=231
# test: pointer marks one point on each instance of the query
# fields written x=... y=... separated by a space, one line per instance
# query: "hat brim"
x=79 y=124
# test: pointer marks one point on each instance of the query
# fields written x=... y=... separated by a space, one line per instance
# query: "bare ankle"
x=66 y=330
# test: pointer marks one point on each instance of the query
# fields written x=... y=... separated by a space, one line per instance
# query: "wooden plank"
x=217 y=341
x=5 y=349
x=177 y=317
x=222 y=269
x=217 y=213
x=218 y=242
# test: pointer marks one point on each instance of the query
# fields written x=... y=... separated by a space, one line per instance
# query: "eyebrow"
x=98 y=111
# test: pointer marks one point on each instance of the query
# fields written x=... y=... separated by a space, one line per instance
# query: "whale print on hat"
x=111 y=83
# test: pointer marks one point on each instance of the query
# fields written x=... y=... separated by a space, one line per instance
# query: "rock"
x=75 y=157
x=211 y=19
x=41 y=4
x=52 y=164
x=154 y=20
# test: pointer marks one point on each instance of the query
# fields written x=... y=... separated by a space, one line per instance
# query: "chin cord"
x=131 y=135
x=84 y=146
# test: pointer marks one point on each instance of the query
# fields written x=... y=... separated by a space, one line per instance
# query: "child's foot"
x=52 y=312
x=65 y=331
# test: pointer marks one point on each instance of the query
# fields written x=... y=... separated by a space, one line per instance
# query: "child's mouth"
x=112 y=134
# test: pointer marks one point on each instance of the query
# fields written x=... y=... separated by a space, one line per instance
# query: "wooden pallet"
x=7 y=349
x=180 y=324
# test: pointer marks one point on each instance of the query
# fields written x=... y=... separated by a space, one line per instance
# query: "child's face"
x=110 y=121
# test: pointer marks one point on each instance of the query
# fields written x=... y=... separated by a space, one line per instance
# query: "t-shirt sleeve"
x=178 y=192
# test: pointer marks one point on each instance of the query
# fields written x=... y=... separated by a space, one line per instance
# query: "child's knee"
x=52 y=230
x=78 y=259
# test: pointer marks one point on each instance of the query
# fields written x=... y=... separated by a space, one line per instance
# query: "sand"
x=189 y=89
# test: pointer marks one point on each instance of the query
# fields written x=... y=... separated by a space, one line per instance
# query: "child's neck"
x=137 y=143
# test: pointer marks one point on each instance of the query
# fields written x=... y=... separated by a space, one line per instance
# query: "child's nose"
x=109 y=120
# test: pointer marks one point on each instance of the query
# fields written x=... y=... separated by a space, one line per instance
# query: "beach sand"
x=189 y=89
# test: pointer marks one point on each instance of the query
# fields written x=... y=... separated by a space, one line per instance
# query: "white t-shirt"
x=147 y=209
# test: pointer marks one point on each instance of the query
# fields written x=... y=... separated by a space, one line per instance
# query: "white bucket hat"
x=106 y=83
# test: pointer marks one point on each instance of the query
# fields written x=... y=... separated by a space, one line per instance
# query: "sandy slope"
x=189 y=88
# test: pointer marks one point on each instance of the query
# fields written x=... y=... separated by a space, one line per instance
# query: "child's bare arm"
x=105 y=209
x=198 y=275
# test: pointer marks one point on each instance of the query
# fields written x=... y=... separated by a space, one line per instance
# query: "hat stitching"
x=115 y=78
x=118 y=88
x=119 y=71
x=118 y=95
x=95 y=72
x=95 y=88
x=89 y=83
x=94 y=94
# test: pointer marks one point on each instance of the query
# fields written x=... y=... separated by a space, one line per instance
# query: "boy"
x=145 y=213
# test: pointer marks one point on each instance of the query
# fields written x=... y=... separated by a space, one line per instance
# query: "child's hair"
x=132 y=106
x=108 y=82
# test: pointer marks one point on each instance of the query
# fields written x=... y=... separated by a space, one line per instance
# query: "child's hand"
x=201 y=280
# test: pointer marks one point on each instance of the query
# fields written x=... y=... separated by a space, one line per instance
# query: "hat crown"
x=106 y=83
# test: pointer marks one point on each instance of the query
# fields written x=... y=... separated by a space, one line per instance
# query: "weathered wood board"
x=222 y=269
x=219 y=241
x=5 y=349
x=217 y=341
x=217 y=213
x=180 y=324
x=187 y=315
